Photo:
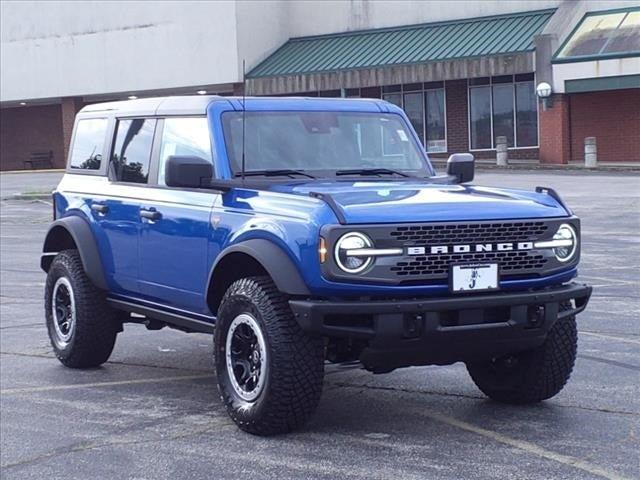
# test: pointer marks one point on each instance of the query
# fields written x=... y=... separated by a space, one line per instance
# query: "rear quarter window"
x=88 y=143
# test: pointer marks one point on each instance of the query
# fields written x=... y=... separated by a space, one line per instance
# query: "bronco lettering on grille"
x=479 y=247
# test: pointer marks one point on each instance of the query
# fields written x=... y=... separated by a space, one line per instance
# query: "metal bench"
x=39 y=160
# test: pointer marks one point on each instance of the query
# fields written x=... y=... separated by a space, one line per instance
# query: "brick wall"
x=612 y=117
x=70 y=106
x=554 y=131
x=24 y=130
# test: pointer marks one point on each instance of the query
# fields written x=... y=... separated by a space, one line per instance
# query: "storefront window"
x=425 y=106
x=395 y=98
x=435 y=121
x=526 y=115
x=480 y=117
x=503 y=106
x=503 y=112
x=414 y=108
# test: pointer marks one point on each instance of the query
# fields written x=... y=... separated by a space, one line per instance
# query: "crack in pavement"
x=81 y=447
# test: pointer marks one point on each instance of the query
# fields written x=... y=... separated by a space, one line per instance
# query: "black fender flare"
x=273 y=259
x=85 y=242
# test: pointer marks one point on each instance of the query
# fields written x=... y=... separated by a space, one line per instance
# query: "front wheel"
x=534 y=375
x=269 y=371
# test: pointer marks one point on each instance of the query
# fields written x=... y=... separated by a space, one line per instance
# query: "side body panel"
x=174 y=249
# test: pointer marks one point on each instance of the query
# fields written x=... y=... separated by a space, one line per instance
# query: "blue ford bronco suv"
x=300 y=231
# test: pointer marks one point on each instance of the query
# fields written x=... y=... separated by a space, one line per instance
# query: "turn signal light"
x=322 y=250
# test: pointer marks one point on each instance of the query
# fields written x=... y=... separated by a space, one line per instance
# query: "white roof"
x=179 y=105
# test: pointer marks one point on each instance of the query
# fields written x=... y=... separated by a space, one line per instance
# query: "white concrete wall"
x=602 y=68
x=56 y=49
x=262 y=27
x=53 y=49
x=319 y=17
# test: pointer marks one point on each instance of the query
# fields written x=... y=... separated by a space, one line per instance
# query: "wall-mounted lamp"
x=543 y=90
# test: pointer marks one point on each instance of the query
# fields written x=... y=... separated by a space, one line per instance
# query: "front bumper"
x=405 y=332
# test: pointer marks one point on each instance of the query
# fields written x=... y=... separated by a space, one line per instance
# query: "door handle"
x=150 y=214
x=99 y=208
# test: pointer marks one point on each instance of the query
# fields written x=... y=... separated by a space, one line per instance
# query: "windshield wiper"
x=274 y=173
x=371 y=171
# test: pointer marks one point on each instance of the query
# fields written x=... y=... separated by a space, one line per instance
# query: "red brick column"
x=70 y=106
x=457 y=116
x=555 y=136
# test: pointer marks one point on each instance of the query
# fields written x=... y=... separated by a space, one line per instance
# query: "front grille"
x=470 y=232
x=436 y=266
x=421 y=264
x=510 y=263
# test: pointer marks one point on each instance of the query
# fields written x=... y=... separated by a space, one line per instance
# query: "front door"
x=175 y=231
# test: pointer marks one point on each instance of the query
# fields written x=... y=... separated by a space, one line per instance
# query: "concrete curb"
x=29 y=196
x=46 y=170
x=546 y=167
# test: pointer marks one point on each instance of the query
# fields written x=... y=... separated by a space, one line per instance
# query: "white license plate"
x=474 y=277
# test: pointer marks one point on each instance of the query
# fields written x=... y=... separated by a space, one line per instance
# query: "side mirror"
x=187 y=171
x=461 y=166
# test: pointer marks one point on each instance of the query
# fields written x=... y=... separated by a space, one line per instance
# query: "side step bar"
x=181 y=321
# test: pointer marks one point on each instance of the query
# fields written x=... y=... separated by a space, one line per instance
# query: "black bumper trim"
x=442 y=330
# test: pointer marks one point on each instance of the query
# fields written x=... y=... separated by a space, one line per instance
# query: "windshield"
x=323 y=143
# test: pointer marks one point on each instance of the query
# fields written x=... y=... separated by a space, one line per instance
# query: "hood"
x=402 y=201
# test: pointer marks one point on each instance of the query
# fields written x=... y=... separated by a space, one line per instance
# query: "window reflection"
x=88 y=144
x=132 y=149
x=183 y=136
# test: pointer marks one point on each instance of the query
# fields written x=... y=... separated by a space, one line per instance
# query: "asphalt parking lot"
x=153 y=410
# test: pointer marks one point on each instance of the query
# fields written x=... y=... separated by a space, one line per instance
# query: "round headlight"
x=347 y=244
x=567 y=236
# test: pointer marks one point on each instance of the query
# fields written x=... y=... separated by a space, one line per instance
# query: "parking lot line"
x=610 y=337
x=528 y=447
x=610 y=362
x=14 y=391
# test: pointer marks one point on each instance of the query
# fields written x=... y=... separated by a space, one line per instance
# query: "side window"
x=184 y=136
x=132 y=149
x=88 y=143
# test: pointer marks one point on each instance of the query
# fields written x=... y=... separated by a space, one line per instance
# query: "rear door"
x=175 y=229
x=118 y=212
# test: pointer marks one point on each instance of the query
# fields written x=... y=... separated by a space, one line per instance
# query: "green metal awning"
x=467 y=38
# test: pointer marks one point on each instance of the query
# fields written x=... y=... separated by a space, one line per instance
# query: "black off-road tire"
x=295 y=366
x=96 y=324
x=534 y=375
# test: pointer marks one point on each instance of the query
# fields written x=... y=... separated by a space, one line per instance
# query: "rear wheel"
x=534 y=375
x=269 y=371
x=82 y=327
